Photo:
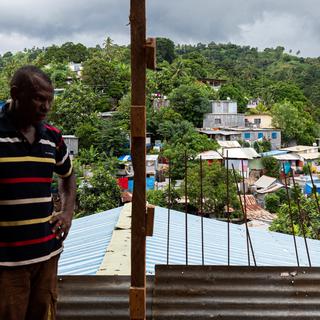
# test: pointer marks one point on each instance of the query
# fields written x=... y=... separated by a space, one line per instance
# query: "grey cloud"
x=183 y=21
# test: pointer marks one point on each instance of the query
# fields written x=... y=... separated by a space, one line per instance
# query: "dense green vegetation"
x=287 y=86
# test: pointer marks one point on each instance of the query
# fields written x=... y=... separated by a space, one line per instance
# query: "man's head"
x=32 y=94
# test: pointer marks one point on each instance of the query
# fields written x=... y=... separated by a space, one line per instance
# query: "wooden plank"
x=150 y=220
x=138 y=153
x=137 y=303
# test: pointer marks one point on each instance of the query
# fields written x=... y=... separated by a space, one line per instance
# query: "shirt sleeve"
x=63 y=166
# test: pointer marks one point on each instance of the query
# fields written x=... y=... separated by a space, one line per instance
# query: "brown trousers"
x=29 y=292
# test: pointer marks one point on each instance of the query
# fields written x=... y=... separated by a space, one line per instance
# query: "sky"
x=293 y=24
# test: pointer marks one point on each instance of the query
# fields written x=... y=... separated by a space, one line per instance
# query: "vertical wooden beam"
x=138 y=153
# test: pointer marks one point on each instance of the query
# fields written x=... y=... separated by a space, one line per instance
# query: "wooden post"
x=138 y=154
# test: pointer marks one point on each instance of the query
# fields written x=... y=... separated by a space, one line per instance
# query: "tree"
x=214 y=187
x=191 y=102
x=76 y=106
x=97 y=192
x=271 y=166
x=234 y=92
x=181 y=138
x=165 y=50
x=296 y=124
x=107 y=77
x=307 y=222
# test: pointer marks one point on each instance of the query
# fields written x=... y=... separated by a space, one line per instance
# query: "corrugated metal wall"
x=97 y=297
x=235 y=293
x=198 y=292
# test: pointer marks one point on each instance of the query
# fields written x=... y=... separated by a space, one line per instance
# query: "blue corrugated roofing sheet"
x=270 y=248
x=89 y=237
x=86 y=245
x=273 y=153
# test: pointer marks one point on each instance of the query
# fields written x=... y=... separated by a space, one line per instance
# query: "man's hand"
x=61 y=221
x=61 y=224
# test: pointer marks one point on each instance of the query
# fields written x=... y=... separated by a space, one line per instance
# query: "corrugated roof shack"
x=276 y=289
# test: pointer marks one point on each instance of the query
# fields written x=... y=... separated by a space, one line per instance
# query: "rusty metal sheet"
x=236 y=293
x=97 y=297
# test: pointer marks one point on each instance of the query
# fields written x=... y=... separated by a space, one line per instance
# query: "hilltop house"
x=225 y=123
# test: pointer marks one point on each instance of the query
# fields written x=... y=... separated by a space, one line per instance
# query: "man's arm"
x=62 y=221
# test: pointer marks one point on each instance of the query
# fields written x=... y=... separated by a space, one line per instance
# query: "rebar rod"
x=314 y=189
x=301 y=219
x=169 y=212
x=245 y=208
x=186 y=202
x=246 y=225
x=291 y=215
x=228 y=208
x=201 y=210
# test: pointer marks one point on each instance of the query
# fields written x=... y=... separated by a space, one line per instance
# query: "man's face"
x=34 y=103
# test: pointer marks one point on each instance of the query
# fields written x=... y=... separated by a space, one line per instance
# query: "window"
x=247 y=135
x=217 y=121
x=274 y=135
x=257 y=121
x=260 y=135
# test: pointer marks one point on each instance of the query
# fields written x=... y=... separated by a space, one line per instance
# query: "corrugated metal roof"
x=271 y=248
x=300 y=148
x=310 y=156
x=273 y=153
x=287 y=157
x=209 y=155
x=265 y=181
x=229 y=144
x=251 y=152
x=235 y=153
x=89 y=237
x=236 y=293
x=85 y=247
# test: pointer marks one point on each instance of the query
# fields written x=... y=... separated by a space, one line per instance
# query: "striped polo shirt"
x=26 y=205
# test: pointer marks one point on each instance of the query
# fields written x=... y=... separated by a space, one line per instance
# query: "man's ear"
x=14 y=92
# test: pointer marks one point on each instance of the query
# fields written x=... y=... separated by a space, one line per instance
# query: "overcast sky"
x=294 y=24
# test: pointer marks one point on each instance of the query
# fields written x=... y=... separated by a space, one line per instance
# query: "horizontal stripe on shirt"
x=25 y=201
x=65 y=175
x=10 y=140
x=31 y=261
x=27 y=242
x=47 y=142
x=25 y=180
x=24 y=222
x=28 y=159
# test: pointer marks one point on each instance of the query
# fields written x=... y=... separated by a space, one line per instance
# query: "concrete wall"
x=224 y=106
x=265 y=120
x=215 y=120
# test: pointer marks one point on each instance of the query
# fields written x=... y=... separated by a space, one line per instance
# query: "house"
x=221 y=135
x=258 y=121
x=258 y=134
x=296 y=157
x=225 y=123
x=127 y=167
x=224 y=113
x=210 y=156
x=263 y=186
x=72 y=143
x=215 y=84
x=239 y=159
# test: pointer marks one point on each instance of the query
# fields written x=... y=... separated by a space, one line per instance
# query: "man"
x=30 y=235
